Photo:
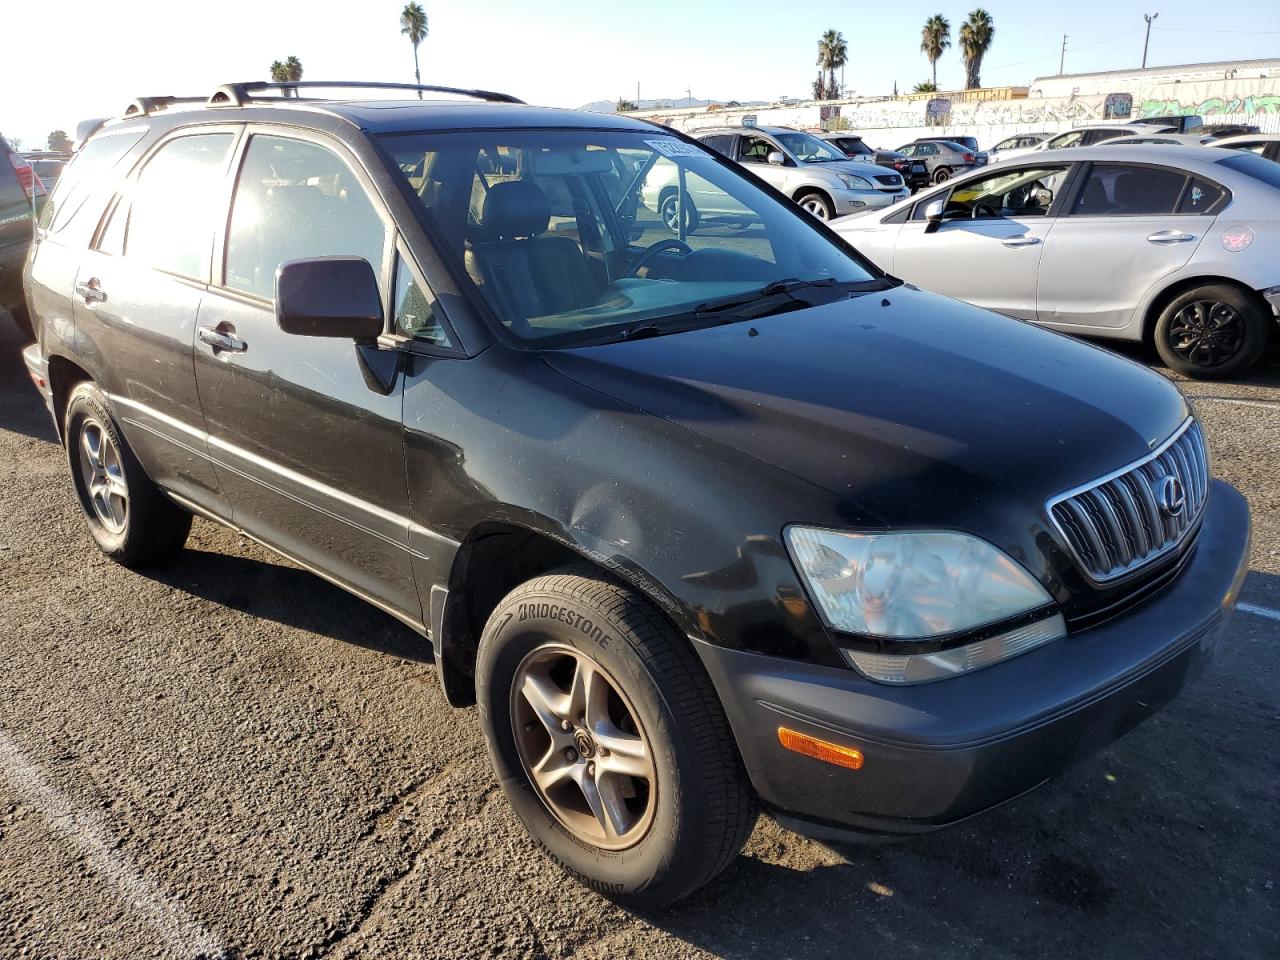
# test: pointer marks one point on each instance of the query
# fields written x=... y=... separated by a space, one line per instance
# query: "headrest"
x=516 y=208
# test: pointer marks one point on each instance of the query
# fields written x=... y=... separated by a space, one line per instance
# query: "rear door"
x=989 y=245
x=1128 y=226
x=137 y=299
x=310 y=456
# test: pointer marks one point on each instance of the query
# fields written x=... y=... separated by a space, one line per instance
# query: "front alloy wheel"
x=583 y=747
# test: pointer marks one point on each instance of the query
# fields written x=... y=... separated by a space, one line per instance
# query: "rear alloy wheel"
x=131 y=521
x=942 y=175
x=609 y=740
x=1211 y=332
x=669 y=211
x=818 y=205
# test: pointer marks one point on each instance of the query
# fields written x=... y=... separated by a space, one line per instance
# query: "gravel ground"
x=233 y=758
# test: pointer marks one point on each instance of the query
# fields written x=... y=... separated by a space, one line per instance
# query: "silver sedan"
x=1175 y=245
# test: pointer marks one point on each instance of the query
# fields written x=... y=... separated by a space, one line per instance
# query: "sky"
x=100 y=54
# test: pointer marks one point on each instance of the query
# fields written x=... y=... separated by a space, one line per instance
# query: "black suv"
x=22 y=196
x=702 y=523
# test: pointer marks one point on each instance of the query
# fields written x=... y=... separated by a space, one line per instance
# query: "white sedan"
x=1176 y=245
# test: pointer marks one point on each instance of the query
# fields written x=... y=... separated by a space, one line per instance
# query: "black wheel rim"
x=1207 y=333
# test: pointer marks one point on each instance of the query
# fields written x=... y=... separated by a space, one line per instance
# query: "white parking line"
x=1271 y=405
x=184 y=934
x=1259 y=611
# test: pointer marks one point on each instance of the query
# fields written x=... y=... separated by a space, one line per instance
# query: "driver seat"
x=528 y=273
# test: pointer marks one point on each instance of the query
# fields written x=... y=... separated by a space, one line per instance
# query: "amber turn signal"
x=820 y=749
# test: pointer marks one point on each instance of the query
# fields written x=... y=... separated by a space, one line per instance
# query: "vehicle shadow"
x=20 y=408
x=1162 y=845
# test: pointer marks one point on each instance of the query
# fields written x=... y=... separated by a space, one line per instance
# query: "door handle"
x=91 y=291
x=221 y=340
x=1020 y=241
x=1170 y=236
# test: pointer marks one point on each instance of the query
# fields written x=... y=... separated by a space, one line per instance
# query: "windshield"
x=808 y=149
x=1252 y=165
x=578 y=236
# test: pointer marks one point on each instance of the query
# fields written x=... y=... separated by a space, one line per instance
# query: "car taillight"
x=27 y=176
x=970 y=158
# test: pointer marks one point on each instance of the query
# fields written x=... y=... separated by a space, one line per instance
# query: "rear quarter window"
x=88 y=174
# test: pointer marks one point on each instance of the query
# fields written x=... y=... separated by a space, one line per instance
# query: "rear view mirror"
x=329 y=297
x=776 y=158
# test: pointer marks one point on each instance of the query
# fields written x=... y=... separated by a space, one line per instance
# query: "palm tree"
x=934 y=38
x=289 y=71
x=413 y=24
x=925 y=86
x=976 y=34
x=833 y=53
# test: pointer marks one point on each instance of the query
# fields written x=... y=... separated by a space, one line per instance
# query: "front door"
x=1129 y=226
x=988 y=247
x=311 y=457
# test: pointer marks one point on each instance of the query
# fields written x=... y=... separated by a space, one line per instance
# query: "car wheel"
x=23 y=321
x=1211 y=332
x=609 y=740
x=817 y=204
x=942 y=175
x=669 y=211
x=131 y=521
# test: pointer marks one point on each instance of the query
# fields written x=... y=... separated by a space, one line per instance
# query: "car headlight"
x=854 y=182
x=921 y=587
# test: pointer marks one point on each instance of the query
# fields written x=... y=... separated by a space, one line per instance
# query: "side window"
x=1201 y=196
x=926 y=150
x=112 y=240
x=1025 y=192
x=295 y=200
x=415 y=308
x=1070 y=139
x=1008 y=143
x=756 y=150
x=908 y=151
x=174 y=201
x=1114 y=190
x=85 y=175
x=1101 y=136
x=722 y=143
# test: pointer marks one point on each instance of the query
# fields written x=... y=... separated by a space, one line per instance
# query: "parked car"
x=1016 y=146
x=1178 y=123
x=810 y=171
x=1219 y=130
x=1263 y=144
x=48 y=165
x=969 y=143
x=943 y=158
x=702 y=526
x=1176 y=245
x=914 y=172
x=1088 y=136
x=1161 y=139
x=22 y=196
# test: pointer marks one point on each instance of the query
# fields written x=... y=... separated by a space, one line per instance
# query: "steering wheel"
x=654 y=249
x=984 y=210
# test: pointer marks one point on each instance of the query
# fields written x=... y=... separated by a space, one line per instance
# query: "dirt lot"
x=233 y=758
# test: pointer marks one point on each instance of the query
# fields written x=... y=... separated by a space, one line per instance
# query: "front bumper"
x=936 y=753
x=856 y=201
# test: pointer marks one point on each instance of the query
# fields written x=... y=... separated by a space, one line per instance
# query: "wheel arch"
x=64 y=374
x=1163 y=296
x=493 y=559
x=804 y=190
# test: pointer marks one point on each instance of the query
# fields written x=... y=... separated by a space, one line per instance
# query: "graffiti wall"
x=890 y=122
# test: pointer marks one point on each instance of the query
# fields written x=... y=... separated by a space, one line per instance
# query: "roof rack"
x=145 y=106
x=238 y=94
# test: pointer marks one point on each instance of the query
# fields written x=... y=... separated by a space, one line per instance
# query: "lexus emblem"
x=1173 y=496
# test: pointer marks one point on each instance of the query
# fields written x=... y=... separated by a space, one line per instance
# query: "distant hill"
x=608 y=106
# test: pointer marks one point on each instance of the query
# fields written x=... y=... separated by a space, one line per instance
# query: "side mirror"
x=329 y=297
x=933 y=214
x=776 y=157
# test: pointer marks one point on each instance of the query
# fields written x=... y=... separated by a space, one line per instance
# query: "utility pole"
x=1147 y=41
x=1063 y=59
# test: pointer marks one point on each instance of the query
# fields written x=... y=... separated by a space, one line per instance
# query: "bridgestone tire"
x=154 y=528
x=704 y=808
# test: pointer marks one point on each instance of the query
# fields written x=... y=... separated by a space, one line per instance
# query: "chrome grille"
x=889 y=179
x=1123 y=521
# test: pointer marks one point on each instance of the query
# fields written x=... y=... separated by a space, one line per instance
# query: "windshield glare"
x=809 y=149
x=576 y=236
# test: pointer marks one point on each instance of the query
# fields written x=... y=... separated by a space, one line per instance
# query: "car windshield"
x=1252 y=165
x=581 y=236
x=809 y=149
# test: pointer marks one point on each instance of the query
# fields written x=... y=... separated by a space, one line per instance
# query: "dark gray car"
x=22 y=196
x=944 y=158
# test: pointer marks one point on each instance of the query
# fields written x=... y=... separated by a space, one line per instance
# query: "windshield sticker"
x=675 y=148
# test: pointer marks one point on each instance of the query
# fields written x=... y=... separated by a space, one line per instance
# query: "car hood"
x=907 y=406
x=857 y=167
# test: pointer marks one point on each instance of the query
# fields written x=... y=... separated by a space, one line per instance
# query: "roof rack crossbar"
x=238 y=94
x=144 y=106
